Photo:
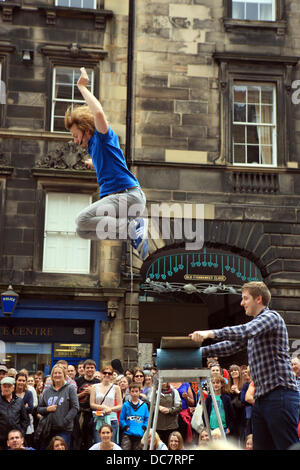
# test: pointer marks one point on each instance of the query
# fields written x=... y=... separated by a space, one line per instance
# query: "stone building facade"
x=203 y=95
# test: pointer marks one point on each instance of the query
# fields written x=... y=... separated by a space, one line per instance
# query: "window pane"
x=252 y=154
x=89 y=4
x=240 y=94
x=253 y=113
x=251 y=11
x=62 y=3
x=63 y=92
x=76 y=3
x=266 y=13
x=239 y=154
x=267 y=114
x=60 y=108
x=253 y=94
x=240 y=112
x=238 y=134
x=252 y=135
x=59 y=125
x=267 y=95
x=238 y=10
x=64 y=76
x=266 y=155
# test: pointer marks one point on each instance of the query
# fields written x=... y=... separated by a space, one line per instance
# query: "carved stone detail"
x=3 y=160
x=65 y=157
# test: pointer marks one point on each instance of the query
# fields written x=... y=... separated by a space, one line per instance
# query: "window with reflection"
x=77 y=3
x=254 y=124
x=65 y=93
x=259 y=10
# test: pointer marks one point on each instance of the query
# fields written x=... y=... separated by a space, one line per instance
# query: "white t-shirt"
x=97 y=447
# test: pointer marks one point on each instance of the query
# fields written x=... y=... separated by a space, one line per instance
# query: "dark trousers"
x=130 y=442
x=275 y=420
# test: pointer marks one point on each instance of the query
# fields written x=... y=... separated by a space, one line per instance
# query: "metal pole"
x=153 y=400
x=160 y=382
x=216 y=407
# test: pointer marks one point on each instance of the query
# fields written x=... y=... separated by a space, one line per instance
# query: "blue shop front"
x=40 y=332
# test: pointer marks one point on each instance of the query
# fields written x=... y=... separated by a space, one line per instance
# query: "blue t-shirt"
x=109 y=162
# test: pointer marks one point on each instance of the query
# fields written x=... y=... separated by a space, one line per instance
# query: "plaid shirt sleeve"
x=260 y=325
x=224 y=348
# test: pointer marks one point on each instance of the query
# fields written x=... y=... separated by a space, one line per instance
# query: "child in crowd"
x=133 y=419
x=224 y=405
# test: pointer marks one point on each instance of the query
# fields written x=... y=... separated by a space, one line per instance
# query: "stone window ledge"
x=231 y=25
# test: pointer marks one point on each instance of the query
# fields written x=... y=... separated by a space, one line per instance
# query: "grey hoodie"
x=67 y=406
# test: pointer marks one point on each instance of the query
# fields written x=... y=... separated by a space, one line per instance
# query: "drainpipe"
x=130 y=81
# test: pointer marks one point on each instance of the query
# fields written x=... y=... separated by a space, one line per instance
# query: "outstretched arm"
x=101 y=122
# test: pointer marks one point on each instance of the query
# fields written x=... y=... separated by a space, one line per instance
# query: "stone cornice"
x=78 y=293
x=97 y=15
x=246 y=57
x=65 y=54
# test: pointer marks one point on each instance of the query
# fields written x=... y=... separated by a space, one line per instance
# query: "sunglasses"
x=107 y=373
x=139 y=376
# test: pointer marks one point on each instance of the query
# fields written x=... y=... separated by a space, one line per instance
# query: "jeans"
x=275 y=420
x=108 y=218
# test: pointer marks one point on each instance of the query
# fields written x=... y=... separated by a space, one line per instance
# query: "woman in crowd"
x=106 y=442
x=175 y=441
x=236 y=381
x=129 y=374
x=60 y=399
x=124 y=384
x=148 y=384
x=57 y=443
x=106 y=400
x=22 y=391
x=139 y=378
x=203 y=437
x=169 y=409
x=249 y=442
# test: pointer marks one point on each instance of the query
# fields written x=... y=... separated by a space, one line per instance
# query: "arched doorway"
x=183 y=291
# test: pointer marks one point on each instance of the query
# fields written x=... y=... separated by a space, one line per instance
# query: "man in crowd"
x=13 y=414
x=85 y=428
x=15 y=441
x=276 y=409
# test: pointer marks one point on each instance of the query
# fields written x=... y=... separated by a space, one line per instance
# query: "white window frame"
x=71 y=6
x=69 y=102
x=63 y=234
x=273 y=125
x=259 y=3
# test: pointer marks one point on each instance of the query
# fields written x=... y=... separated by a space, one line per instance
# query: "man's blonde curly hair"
x=82 y=117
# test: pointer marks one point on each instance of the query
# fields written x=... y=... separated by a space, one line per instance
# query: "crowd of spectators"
x=80 y=408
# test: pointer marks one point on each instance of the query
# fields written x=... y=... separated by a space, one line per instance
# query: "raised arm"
x=101 y=122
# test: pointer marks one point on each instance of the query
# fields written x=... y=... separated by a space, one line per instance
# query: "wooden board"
x=178 y=342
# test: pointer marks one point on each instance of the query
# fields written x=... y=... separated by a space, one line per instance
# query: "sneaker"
x=139 y=237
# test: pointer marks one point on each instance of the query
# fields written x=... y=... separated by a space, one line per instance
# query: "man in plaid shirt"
x=276 y=410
